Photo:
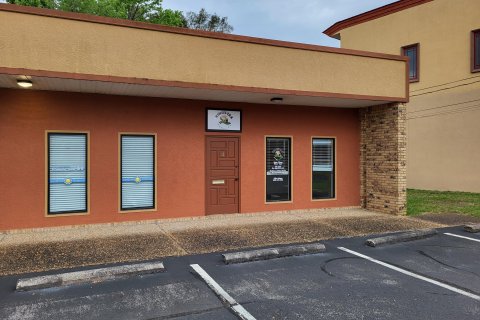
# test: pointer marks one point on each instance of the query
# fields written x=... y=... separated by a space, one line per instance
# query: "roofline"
x=198 y=33
x=372 y=15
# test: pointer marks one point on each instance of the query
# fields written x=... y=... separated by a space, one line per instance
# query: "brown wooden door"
x=222 y=175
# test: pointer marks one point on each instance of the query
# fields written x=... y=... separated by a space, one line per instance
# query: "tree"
x=138 y=10
x=84 y=6
x=208 y=22
x=168 y=17
x=49 y=4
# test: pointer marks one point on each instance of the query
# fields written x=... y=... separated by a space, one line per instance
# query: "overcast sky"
x=291 y=20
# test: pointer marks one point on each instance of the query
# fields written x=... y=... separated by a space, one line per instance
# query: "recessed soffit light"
x=24 y=83
x=277 y=100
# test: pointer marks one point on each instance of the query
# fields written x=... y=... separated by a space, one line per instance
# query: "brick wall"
x=383 y=158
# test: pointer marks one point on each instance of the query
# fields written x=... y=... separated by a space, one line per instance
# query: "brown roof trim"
x=373 y=14
x=191 y=85
x=184 y=31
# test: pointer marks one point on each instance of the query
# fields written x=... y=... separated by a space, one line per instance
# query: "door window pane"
x=137 y=172
x=278 y=169
x=323 y=168
x=67 y=173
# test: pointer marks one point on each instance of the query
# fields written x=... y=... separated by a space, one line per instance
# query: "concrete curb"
x=89 y=276
x=472 y=228
x=401 y=237
x=272 y=253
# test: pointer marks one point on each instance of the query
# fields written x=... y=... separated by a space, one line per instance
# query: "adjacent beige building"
x=443 y=114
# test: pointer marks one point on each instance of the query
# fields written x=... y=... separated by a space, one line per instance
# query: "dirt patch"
x=450 y=219
x=58 y=255
x=43 y=256
x=372 y=225
x=221 y=239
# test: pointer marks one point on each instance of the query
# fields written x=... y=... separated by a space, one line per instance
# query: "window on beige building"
x=476 y=51
x=412 y=52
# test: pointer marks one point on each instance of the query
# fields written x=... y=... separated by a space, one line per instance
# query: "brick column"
x=383 y=157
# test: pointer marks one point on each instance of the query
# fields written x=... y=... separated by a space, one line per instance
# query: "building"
x=442 y=38
x=105 y=120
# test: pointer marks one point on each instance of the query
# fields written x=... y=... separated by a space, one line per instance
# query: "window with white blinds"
x=67 y=173
x=323 y=168
x=137 y=157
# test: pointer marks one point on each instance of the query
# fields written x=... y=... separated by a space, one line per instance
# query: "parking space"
x=333 y=285
x=340 y=285
x=450 y=260
x=170 y=295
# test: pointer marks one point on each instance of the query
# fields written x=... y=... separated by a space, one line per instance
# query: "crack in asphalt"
x=430 y=277
x=441 y=294
x=324 y=265
x=423 y=253
x=183 y=314
x=443 y=246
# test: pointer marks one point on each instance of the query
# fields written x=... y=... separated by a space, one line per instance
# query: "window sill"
x=278 y=202
x=326 y=199
x=149 y=210
x=59 y=215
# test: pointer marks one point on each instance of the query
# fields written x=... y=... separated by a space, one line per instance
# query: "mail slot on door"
x=218 y=181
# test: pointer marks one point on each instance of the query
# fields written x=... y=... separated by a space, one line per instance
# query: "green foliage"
x=83 y=6
x=208 y=22
x=138 y=10
x=49 y=4
x=168 y=17
x=426 y=201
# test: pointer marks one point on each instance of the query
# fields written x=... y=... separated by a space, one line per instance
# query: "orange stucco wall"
x=180 y=127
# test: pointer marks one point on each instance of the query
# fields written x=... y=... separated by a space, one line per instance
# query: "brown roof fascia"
x=192 y=85
x=198 y=33
x=372 y=15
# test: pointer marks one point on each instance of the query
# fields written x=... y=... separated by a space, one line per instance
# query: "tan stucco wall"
x=443 y=143
x=443 y=151
x=47 y=43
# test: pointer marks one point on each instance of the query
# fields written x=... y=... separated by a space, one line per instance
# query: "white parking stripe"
x=411 y=274
x=242 y=313
x=222 y=294
x=463 y=237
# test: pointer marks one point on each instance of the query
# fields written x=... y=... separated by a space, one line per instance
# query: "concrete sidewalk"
x=58 y=248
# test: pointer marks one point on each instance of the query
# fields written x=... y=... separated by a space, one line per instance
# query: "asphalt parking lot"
x=433 y=278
